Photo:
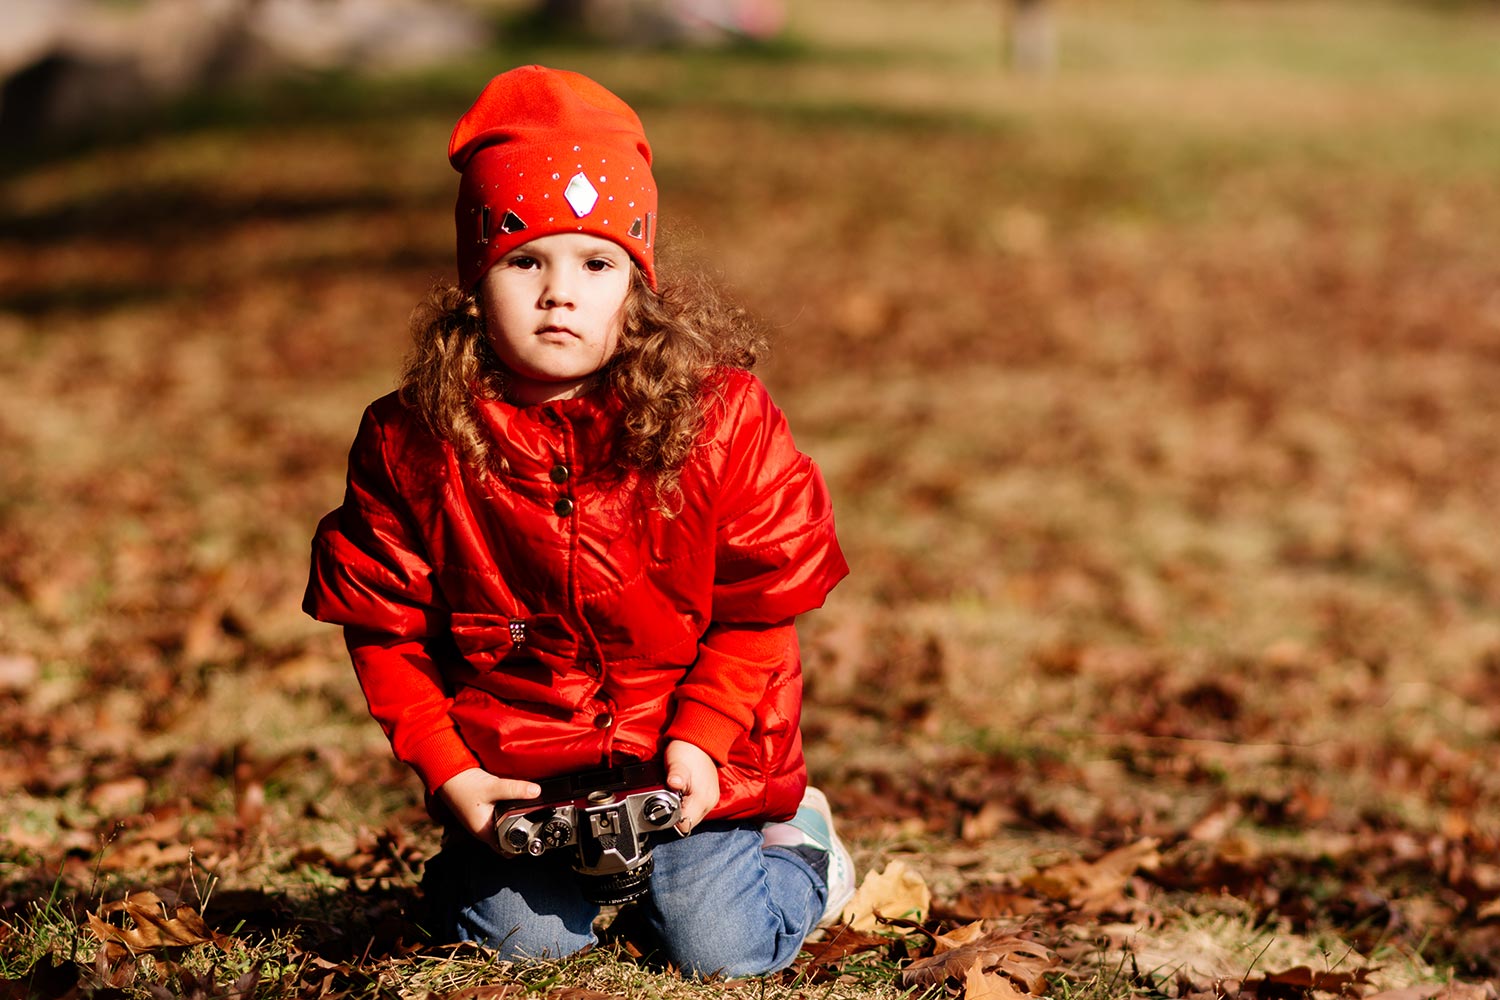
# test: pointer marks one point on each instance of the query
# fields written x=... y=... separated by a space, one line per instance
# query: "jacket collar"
x=579 y=433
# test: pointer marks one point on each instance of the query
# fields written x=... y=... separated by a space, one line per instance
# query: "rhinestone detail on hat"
x=581 y=195
x=511 y=223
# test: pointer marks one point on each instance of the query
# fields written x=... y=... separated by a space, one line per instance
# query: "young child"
x=578 y=536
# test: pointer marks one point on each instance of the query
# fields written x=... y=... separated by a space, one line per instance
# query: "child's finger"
x=694 y=808
x=689 y=819
x=510 y=790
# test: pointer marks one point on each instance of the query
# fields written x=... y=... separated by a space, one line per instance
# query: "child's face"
x=553 y=312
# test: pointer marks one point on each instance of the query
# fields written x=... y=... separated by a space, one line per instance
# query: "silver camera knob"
x=518 y=834
x=658 y=809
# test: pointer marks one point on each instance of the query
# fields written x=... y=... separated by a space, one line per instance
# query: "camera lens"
x=620 y=887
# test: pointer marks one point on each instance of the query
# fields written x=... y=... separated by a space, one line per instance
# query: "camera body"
x=609 y=818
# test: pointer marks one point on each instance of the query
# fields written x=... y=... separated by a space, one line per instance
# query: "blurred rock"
x=370 y=35
x=670 y=22
x=30 y=28
x=1032 y=41
x=18 y=672
x=64 y=63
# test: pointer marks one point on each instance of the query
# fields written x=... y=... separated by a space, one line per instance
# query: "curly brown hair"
x=674 y=339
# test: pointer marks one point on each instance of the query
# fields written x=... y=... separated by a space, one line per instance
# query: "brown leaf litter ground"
x=1163 y=439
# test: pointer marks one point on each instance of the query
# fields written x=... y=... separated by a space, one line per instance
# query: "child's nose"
x=557 y=292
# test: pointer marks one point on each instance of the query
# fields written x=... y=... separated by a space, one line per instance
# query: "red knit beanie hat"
x=546 y=151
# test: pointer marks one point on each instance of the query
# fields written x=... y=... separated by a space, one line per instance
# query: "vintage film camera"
x=609 y=817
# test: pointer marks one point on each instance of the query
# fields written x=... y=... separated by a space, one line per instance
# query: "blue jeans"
x=720 y=903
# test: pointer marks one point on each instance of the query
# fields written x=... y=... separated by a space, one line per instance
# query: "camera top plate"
x=575 y=789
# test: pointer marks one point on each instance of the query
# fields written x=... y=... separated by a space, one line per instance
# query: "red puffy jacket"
x=548 y=620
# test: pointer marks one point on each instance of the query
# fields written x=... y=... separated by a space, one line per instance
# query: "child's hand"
x=692 y=772
x=471 y=796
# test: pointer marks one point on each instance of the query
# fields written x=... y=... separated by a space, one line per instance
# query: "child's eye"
x=599 y=264
x=522 y=262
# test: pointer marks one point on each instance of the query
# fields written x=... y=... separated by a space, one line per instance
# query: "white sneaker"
x=813 y=827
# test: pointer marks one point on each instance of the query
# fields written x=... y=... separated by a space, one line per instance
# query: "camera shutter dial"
x=556 y=833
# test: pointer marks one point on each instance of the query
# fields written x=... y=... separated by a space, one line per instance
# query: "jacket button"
x=559 y=474
x=603 y=720
x=563 y=507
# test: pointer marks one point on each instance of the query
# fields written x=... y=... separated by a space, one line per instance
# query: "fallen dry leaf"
x=1465 y=991
x=1216 y=822
x=1023 y=961
x=897 y=891
x=145 y=854
x=1420 y=991
x=988 y=902
x=958 y=937
x=987 y=822
x=1095 y=886
x=841 y=941
x=491 y=991
x=1301 y=980
x=578 y=993
x=123 y=795
x=187 y=985
x=1436 y=991
x=981 y=985
x=153 y=927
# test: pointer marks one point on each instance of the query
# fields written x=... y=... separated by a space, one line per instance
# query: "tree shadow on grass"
x=171 y=213
x=335 y=942
x=340 y=926
x=94 y=297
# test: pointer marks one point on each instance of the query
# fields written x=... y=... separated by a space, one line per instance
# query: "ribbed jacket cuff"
x=439 y=757
x=706 y=728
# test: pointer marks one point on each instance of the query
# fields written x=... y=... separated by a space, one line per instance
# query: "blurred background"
x=1151 y=349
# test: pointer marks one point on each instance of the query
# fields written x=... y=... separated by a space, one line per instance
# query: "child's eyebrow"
x=603 y=248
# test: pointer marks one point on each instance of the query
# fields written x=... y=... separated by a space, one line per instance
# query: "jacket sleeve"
x=716 y=700
x=776 y=552
x=776 y=556
x=369 y=574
